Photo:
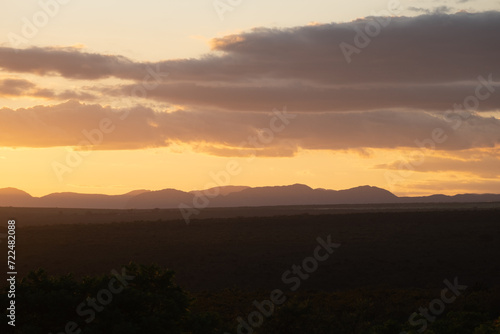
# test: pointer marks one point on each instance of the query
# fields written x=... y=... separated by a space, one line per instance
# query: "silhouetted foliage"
x=150 y=302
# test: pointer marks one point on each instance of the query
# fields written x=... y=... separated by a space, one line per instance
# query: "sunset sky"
x=112 y=96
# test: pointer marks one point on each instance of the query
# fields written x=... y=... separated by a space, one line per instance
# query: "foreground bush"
x=135 y=299
x=145 y=299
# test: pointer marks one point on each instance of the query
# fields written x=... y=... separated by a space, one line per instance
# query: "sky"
x=113 y=96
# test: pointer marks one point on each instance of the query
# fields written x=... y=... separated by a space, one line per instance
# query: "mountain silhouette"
x=15 y=197
x=166 y=198
x=221 y=190
x=95 y=201
x=230 y=196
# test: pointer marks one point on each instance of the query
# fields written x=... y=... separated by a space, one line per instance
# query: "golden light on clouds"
x=284 y=103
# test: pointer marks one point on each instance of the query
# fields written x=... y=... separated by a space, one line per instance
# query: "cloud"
x=481 y=165
x=13 y=87
x=426 y=62
x=70 y=63
x=427 y=48
x=314 y=98
x=419 y=10
x=391 y=95
x=455 y=186
x=435 y=10
x=229 y=134
x=442 y=10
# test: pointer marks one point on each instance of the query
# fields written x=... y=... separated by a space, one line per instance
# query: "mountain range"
x=229 y=196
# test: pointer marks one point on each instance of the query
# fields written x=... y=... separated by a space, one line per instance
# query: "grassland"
x=395 y=249
x=392 y=259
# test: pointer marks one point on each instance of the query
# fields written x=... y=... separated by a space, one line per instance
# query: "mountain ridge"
x=230 y=196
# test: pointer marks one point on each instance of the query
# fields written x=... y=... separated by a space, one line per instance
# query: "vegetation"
x=389 y=265
x=151 y=302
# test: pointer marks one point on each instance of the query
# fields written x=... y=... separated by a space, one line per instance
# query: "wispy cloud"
x=13 y=87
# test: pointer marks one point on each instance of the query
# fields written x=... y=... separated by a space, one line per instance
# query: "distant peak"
x=13 y=192
x=223 y=190
x=294 y=186
x=300 y=185
x=137 y=192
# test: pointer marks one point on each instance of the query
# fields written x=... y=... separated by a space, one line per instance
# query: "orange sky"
x=284 y=105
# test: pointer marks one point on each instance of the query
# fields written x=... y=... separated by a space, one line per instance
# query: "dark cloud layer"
x=69 y=63
x=223 y=133
x=428 y=48
x=309 y=98
x=428 y=62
